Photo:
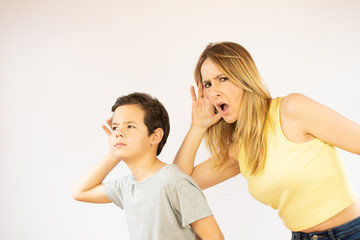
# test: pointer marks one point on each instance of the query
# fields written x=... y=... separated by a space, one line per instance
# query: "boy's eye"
x=131 y=126
x=114 y=128
x=207 y=84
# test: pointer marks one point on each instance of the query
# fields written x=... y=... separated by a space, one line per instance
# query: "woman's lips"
x=223 y=108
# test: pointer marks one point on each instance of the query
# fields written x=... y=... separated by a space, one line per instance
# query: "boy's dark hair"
x=155 y=117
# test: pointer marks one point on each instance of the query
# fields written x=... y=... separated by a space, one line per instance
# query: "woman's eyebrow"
x=218 y=76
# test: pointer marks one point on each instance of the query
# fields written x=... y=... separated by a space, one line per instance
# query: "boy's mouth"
x=119 y=145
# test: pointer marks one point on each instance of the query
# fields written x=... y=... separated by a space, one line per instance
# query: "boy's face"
x=129 y=139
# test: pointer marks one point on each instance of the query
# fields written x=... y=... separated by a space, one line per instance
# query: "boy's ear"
x=156 y=136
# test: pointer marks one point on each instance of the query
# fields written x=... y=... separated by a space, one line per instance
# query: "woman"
x=284 y=147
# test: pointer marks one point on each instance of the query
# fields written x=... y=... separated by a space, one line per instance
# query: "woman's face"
x=222 y=93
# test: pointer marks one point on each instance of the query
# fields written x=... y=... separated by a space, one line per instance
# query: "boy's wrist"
x=111 y=158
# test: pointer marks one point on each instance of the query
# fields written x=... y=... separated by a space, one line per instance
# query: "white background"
x=63 y=64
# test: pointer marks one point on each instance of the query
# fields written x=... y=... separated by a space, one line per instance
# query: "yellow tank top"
x=306 y=182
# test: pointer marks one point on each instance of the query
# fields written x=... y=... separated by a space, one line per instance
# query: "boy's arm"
x=190 y=202
x=90 y=187
x=207 y=229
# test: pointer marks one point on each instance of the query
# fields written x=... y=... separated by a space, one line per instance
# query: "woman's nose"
x=215 y=90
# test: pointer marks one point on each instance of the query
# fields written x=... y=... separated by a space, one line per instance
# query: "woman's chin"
x=229 y=119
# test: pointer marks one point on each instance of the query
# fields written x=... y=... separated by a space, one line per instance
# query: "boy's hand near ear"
x=90 y=187
x=111 y=137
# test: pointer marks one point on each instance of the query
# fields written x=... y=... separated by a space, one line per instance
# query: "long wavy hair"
x=247 y=133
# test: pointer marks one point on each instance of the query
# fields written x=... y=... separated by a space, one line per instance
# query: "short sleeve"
x=115 y=191
x=189 y=201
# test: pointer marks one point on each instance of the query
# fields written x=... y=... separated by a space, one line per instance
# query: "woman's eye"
x=223 y=79
x=114 y=128
x=207 y=84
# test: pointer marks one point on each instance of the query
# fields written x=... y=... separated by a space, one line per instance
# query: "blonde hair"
x=247 y=132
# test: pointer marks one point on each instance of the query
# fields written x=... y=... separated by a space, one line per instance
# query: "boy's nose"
x=119 y=133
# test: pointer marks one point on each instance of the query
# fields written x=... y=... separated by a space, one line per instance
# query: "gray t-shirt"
x=160 y=207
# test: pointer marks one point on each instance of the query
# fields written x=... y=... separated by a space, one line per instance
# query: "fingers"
x=216 y=117
x=109 y=121
x=106 y=128
x=200 y=90
x=192 y=92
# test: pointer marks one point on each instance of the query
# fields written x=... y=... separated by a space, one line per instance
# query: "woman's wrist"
x=198 y=130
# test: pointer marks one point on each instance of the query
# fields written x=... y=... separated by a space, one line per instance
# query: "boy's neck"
x=145 y=168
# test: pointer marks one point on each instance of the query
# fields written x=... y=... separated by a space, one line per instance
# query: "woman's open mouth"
x=224 y=108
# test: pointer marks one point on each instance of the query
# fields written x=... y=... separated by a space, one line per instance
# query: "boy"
x=160 y=202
